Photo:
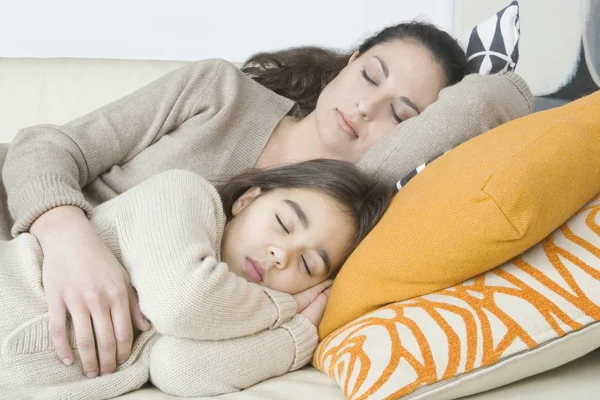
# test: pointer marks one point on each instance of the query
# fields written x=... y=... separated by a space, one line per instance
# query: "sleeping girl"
x=233 y=281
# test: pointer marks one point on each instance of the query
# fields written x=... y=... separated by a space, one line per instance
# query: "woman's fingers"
x=84 y=338
x=82 y=277
x=57 y=314
x=123 y=330
x=106 y=343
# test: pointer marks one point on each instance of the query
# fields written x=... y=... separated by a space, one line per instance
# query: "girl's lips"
x=345 y=125
x=254 y=270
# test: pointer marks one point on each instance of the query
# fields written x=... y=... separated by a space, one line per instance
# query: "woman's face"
x=287 y=239
x=388 y=84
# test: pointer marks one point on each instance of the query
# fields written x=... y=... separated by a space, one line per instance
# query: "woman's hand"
x=306 y=297
x=315 y=310
x=81 y=276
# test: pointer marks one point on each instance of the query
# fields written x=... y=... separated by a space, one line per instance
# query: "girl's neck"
x=292 y=141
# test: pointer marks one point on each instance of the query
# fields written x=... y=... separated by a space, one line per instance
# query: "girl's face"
x=287 y=239
x=388 y=84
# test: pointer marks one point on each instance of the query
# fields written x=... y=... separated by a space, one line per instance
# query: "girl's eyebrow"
x=304 y=221
x=298 y=210
x=323 y=254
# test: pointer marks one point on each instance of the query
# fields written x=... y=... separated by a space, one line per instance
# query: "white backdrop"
x=197 y=29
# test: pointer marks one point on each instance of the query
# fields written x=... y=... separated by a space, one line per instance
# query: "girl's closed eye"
x=302 y=259
x=306 y=266
x=281 y=224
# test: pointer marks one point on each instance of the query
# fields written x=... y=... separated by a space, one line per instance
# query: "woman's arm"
x=189 y=368
x=45 y=169
x=168 y=229
x=59 y=160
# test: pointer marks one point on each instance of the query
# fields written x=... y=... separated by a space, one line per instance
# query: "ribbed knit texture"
x=213 y=332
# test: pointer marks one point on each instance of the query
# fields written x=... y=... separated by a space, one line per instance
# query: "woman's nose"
x=368 y=107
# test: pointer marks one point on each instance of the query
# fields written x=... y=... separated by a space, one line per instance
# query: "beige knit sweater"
x=210 y=118
x=213 y=332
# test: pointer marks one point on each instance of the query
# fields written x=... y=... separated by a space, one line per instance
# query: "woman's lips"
x=345 y=125
x=254 y=270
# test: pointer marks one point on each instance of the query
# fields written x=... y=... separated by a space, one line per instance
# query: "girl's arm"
x=168 y=228
x=190 y=368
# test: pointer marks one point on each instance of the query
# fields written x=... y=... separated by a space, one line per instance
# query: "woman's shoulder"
x=218 y=67
x=230 y=76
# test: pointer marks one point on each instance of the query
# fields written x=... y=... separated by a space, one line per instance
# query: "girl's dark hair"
x=362 y=198
x=301 y=73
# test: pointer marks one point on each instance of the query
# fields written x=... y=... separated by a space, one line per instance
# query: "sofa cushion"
x=474 y=208
x=534 y=313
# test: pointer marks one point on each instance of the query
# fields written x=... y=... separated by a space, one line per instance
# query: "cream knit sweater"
x=213 y=332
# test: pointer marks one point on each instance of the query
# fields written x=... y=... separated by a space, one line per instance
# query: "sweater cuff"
x=34 y=198
x=305 y=338
x=522 y=86
x=286 y=306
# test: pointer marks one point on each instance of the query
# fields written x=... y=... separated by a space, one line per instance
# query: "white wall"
x=197 y=29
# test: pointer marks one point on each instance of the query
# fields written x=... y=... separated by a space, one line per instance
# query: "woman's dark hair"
x=301 y=73
x=362 y=198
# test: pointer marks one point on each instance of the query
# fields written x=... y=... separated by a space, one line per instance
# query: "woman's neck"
x=292 y=141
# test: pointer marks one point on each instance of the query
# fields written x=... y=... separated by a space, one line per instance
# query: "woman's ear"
x=244 y=200
x=353 y=57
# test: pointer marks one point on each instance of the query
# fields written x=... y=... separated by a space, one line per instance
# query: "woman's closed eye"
x=396 y=117
x=368 y=78
x=372 y=82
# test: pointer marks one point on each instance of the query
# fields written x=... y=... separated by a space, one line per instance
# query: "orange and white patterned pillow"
x=534 y=313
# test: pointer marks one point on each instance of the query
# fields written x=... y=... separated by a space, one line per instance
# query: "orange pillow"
x=531 y=314
x=474 y=208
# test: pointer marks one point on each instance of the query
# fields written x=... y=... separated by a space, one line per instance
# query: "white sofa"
x=56 y=90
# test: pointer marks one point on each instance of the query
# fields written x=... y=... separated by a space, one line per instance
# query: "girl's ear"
x=244 y=200
x=353 y=57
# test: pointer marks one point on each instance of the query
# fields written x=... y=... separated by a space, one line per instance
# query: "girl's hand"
x=315 y=310
x=81 y=276
x=303 y=299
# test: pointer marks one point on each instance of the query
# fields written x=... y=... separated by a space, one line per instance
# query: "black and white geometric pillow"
x=493 y=45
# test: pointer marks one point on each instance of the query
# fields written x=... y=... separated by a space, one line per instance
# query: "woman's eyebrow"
x=403 y=99
x=384 y=67
x=298 y=210
x=409 y=103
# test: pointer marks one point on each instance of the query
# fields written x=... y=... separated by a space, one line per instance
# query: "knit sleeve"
x=47 y=165
x=169 y=229
x=190 y=368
